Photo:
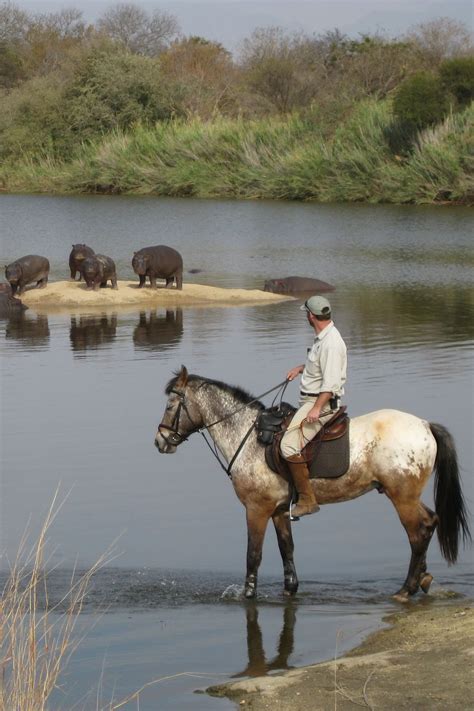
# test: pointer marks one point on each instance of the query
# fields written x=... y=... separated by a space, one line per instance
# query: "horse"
x=391 y=451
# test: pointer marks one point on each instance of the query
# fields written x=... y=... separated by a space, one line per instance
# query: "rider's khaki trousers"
x=297 y=436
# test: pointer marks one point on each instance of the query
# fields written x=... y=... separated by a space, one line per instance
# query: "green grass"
x=271 y=159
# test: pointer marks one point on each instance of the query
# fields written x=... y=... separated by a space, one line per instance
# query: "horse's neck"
x=221 y=406
x=227 y=418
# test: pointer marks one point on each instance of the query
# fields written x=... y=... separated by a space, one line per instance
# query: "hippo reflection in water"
x=30 y=331
x=154 y=332
x=92 y=332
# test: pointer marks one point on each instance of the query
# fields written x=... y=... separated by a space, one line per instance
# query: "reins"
x=176 y=438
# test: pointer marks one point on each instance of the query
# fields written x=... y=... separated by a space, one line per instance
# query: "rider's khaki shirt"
x=325 y=370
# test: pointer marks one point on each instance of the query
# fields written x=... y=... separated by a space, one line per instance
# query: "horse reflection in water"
x=258 y=664
x=158 y=332
x=392 y=452
x=92 y=332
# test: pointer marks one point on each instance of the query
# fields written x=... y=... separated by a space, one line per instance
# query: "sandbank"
x=423 y=661
x=61 y=295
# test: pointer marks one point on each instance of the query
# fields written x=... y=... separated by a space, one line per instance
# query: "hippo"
x=97 y=269
x=10 y=307
x=25 y=270
x=160 y=261
x=78 y=253
x=295 y=284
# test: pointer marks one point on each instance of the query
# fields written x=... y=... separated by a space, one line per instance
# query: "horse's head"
x=181 y=417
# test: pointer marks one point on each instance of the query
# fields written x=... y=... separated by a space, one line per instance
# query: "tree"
x=203 y=76
x=440 y=39
x=14 y=24
x=421 y=101
x=138 y=31
x=279 y=67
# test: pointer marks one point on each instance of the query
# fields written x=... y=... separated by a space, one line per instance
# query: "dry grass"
x=36 y=639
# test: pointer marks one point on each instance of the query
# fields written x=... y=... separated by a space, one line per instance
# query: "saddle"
x=327 y=455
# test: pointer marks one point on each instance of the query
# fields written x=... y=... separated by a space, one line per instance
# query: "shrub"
x=457 y=77
x=421 y=101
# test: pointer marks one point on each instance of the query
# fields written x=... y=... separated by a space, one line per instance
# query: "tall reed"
x=36 y=639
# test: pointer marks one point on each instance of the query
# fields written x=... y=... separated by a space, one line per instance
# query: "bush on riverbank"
x=274 y=159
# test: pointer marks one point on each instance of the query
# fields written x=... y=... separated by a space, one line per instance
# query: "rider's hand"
x=293 y=373
x=313 y=415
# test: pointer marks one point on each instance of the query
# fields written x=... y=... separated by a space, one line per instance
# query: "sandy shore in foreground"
x=64 y=294
x=424 y=661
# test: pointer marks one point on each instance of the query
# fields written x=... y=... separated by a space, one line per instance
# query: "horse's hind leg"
x=257 y=520
x=420 y=524
x=285 y=543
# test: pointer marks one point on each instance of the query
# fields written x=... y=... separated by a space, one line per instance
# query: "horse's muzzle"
x=162 y=444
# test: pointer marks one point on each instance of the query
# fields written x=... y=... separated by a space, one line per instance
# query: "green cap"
x=318 y=305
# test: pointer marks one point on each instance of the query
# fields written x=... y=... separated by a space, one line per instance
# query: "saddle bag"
x=270 y=421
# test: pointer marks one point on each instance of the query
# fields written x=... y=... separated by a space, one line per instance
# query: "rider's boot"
x=307 y=503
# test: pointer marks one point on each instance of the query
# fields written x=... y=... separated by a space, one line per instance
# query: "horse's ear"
x=183 y=376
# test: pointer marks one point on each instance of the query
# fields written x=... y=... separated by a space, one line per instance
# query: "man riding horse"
x=322 y=385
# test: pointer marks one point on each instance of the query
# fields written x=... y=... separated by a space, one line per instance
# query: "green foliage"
x=116 y=107
x=421 y=101
x=12 y=70
x=278 y=159
x=114 y=90
x=109 y=90
x=457 y=77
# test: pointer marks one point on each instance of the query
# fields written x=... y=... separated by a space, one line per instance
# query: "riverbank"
x=422 y=661
x=276 y=159
x=62 y=295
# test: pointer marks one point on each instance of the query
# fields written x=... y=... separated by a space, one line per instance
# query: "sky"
x=230 y=21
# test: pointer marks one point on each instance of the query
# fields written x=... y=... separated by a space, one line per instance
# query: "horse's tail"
x=449 y=500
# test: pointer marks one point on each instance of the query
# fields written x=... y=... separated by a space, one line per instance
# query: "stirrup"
x=291 y=517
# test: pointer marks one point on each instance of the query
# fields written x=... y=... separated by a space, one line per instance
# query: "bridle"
x=175 y=437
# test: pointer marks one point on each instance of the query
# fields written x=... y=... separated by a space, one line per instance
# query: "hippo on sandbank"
x=158 y=262
x=97 y=270
x=25 y=270
x=79 y=252
x=296 y=284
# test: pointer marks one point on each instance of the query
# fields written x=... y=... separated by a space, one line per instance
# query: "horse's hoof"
x=250 y=593
x=401 y=596
x=291 y=586
x=425 y=582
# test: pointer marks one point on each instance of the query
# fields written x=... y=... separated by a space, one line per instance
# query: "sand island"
x=66 y=294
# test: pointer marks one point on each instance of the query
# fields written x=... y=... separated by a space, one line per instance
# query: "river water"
x=82 y=394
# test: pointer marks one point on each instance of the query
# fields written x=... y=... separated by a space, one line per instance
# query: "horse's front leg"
x=257 y=520
x=285 y=543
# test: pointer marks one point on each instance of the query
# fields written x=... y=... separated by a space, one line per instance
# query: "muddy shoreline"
x=423 y=660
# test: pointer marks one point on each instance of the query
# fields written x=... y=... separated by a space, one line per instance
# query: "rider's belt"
x=333 y=402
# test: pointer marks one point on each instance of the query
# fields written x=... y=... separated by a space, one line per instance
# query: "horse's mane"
x=241 y=395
